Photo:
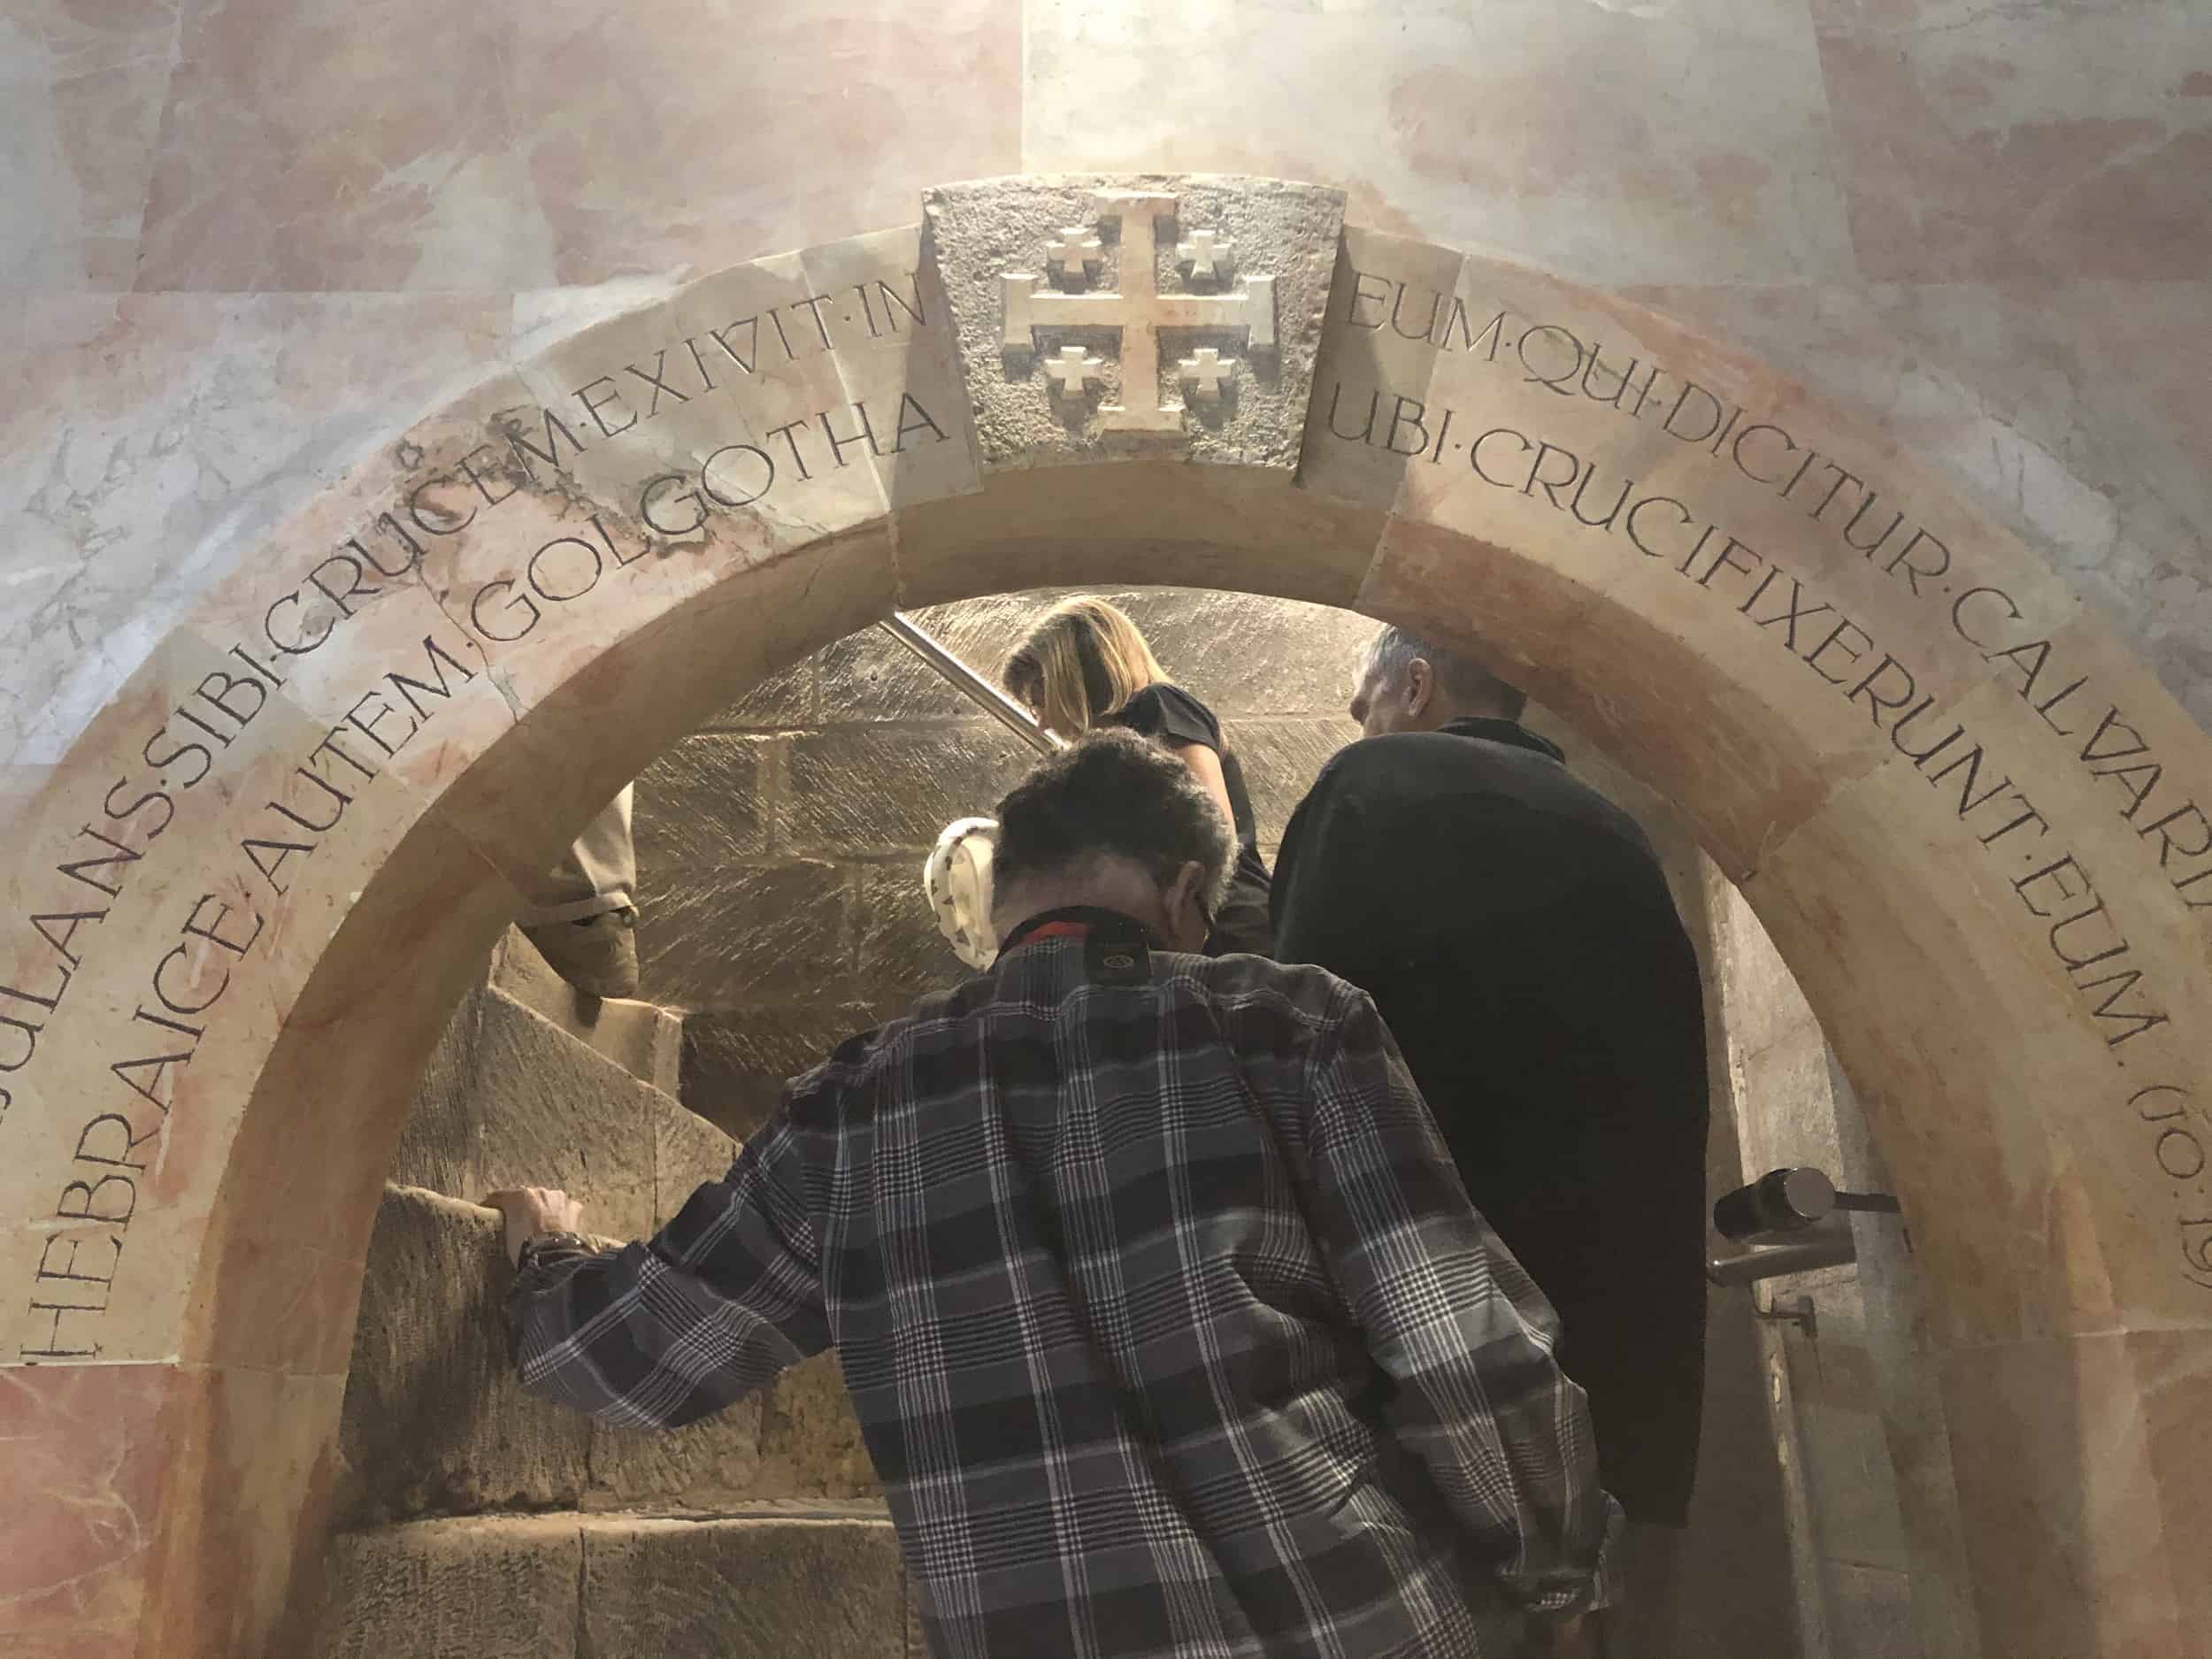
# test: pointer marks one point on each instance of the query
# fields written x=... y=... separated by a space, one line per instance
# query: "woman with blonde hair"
x=1084 y=665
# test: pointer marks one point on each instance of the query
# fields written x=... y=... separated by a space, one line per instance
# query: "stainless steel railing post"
x=978 y=690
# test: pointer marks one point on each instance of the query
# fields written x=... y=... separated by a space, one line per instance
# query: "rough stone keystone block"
x=1128 y=282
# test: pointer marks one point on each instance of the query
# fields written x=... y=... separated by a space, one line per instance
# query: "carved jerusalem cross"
x=1138 y=311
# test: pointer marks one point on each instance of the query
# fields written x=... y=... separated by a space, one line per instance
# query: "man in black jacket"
x=1516 y=934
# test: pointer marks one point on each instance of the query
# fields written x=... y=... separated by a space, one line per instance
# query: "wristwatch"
x=538 y=1241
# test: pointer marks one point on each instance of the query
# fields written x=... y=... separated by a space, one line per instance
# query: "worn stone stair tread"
x=747 y=1511
x=644 y=1038
x=509 y=1097
x=754 y=1580
x=588 y=1053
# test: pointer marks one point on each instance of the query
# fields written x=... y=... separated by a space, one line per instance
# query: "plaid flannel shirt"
x=1170 y=1327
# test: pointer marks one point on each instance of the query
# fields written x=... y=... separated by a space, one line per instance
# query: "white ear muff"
x=956 y=881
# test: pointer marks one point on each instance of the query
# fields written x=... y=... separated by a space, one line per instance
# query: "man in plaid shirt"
x=1170 y=1327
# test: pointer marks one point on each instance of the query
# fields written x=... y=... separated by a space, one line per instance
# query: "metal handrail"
x=1827 y=1245
x=978 y=690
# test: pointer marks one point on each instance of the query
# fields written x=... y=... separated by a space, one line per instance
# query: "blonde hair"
x=1082 y=661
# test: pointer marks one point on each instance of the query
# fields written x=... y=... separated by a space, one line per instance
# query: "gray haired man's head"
x=1119 y=822
x=1406 y=684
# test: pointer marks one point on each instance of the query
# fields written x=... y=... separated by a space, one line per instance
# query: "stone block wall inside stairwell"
x=780 y=847
x=779 y=852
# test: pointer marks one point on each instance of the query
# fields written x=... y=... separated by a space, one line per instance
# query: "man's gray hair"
x=1115 y=793
x=1460 y=678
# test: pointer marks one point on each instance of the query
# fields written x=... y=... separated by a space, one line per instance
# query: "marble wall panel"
x=2065 y=408
x=150 y=440
x=81 y=94
x=1613 y=142
x=412 y=147
x=1979 y=143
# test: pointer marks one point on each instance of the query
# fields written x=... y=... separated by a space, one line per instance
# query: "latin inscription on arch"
x=669 y=433
x=1425 y=375
x=745 y=448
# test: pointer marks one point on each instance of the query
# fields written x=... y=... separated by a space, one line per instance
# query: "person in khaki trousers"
x=583 y=917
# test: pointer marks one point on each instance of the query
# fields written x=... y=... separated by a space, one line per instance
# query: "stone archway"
x=242 y=906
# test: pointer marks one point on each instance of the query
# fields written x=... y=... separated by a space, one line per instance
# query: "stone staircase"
x=472 y=1522
x=793 y=1580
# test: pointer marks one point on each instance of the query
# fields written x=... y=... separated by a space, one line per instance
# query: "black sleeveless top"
x=1168 y=712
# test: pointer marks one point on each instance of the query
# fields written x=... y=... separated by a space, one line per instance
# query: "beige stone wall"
x=1875 y=1528
x=781 y=848
x=1740 y=1593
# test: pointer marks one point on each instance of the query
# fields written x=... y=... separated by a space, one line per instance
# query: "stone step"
x=433 y=1422
x=644 y=1038
x=759 y=1581
x=512 y=1098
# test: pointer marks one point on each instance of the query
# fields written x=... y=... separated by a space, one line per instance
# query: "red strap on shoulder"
x=1059 y=930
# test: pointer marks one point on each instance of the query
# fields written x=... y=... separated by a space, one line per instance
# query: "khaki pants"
x=598 y=873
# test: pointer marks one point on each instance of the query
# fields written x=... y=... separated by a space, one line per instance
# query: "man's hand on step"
x=533 y=1211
